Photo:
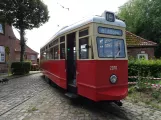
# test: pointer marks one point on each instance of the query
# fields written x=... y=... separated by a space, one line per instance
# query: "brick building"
x=8 y=41
x=29 y=53
x=139 y=47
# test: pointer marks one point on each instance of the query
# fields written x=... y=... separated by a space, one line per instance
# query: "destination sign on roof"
x=110 y=31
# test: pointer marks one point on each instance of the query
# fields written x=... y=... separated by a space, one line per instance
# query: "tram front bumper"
x=112 y=94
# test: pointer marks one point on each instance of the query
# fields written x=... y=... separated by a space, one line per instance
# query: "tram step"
x=72 y=85
x=72 y=88
x=71 y=95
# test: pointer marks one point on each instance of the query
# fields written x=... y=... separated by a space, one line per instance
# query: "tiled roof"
x=134 y=40
x=27 y=49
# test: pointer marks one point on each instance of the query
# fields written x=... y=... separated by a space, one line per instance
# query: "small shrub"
x=156 y=94
x=131 y=90
x=159 y=101
x=32 y=109
x=141 y=86
x=20 y=67
x=147 y=102
x=135 y=101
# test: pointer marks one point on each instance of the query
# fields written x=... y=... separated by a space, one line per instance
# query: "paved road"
x=31 y=98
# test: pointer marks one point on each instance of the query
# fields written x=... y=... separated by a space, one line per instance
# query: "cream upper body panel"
x=93 y=19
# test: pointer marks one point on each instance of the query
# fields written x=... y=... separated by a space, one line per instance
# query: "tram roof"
x=85 y=21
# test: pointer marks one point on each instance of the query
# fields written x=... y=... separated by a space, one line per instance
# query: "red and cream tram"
x=89 y=58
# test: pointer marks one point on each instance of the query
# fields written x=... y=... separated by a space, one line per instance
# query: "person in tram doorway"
x=118 y=50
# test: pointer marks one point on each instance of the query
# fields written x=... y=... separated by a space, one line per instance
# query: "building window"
x=17 y=57
x=25 y=57
x=1 y=29
x=33 y=57
x=2 y=54
x=143 y=56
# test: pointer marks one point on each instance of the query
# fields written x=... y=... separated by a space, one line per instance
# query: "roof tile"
x=134 y=40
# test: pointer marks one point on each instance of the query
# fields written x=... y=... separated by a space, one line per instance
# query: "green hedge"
x=144 y=68
x=20 y=67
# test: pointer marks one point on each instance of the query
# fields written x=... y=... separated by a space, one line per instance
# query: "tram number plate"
x=113 y=67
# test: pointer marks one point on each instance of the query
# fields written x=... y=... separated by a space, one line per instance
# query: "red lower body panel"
x=55 y=71
x=118 y=93
x=94 y=83
x=56 y=79
x=93 y=78
x=104 y=93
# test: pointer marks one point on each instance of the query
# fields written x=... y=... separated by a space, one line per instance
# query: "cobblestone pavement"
x=31 y=98
x=3 y=75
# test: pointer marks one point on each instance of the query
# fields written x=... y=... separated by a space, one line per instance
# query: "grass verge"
x=149 y=96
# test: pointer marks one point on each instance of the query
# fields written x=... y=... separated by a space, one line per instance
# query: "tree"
x=143 y=18
x=23 y=15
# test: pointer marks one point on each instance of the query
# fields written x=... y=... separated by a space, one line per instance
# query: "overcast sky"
x=60 y=17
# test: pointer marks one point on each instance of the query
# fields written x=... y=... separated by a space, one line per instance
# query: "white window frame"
x=2 y=52
x=145 y=55
x=33 y=57
x=1 y=29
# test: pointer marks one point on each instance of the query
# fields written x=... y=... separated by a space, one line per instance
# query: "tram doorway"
x=71 y=62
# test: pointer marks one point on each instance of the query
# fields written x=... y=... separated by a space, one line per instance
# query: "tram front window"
x=110 y=47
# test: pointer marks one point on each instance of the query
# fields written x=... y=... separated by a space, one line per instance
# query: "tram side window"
x=83 y=51
x=47 y=55
x=92 y=53
x=55 y=42
x=62 y=51
x=56 y=56
x=43 y=56
x=62 y=39
x=83 y=33
x=51 y=53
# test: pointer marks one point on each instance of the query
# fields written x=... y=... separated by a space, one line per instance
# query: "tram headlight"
x=113 y=79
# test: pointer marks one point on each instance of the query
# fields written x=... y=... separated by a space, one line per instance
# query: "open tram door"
x=71 y=63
